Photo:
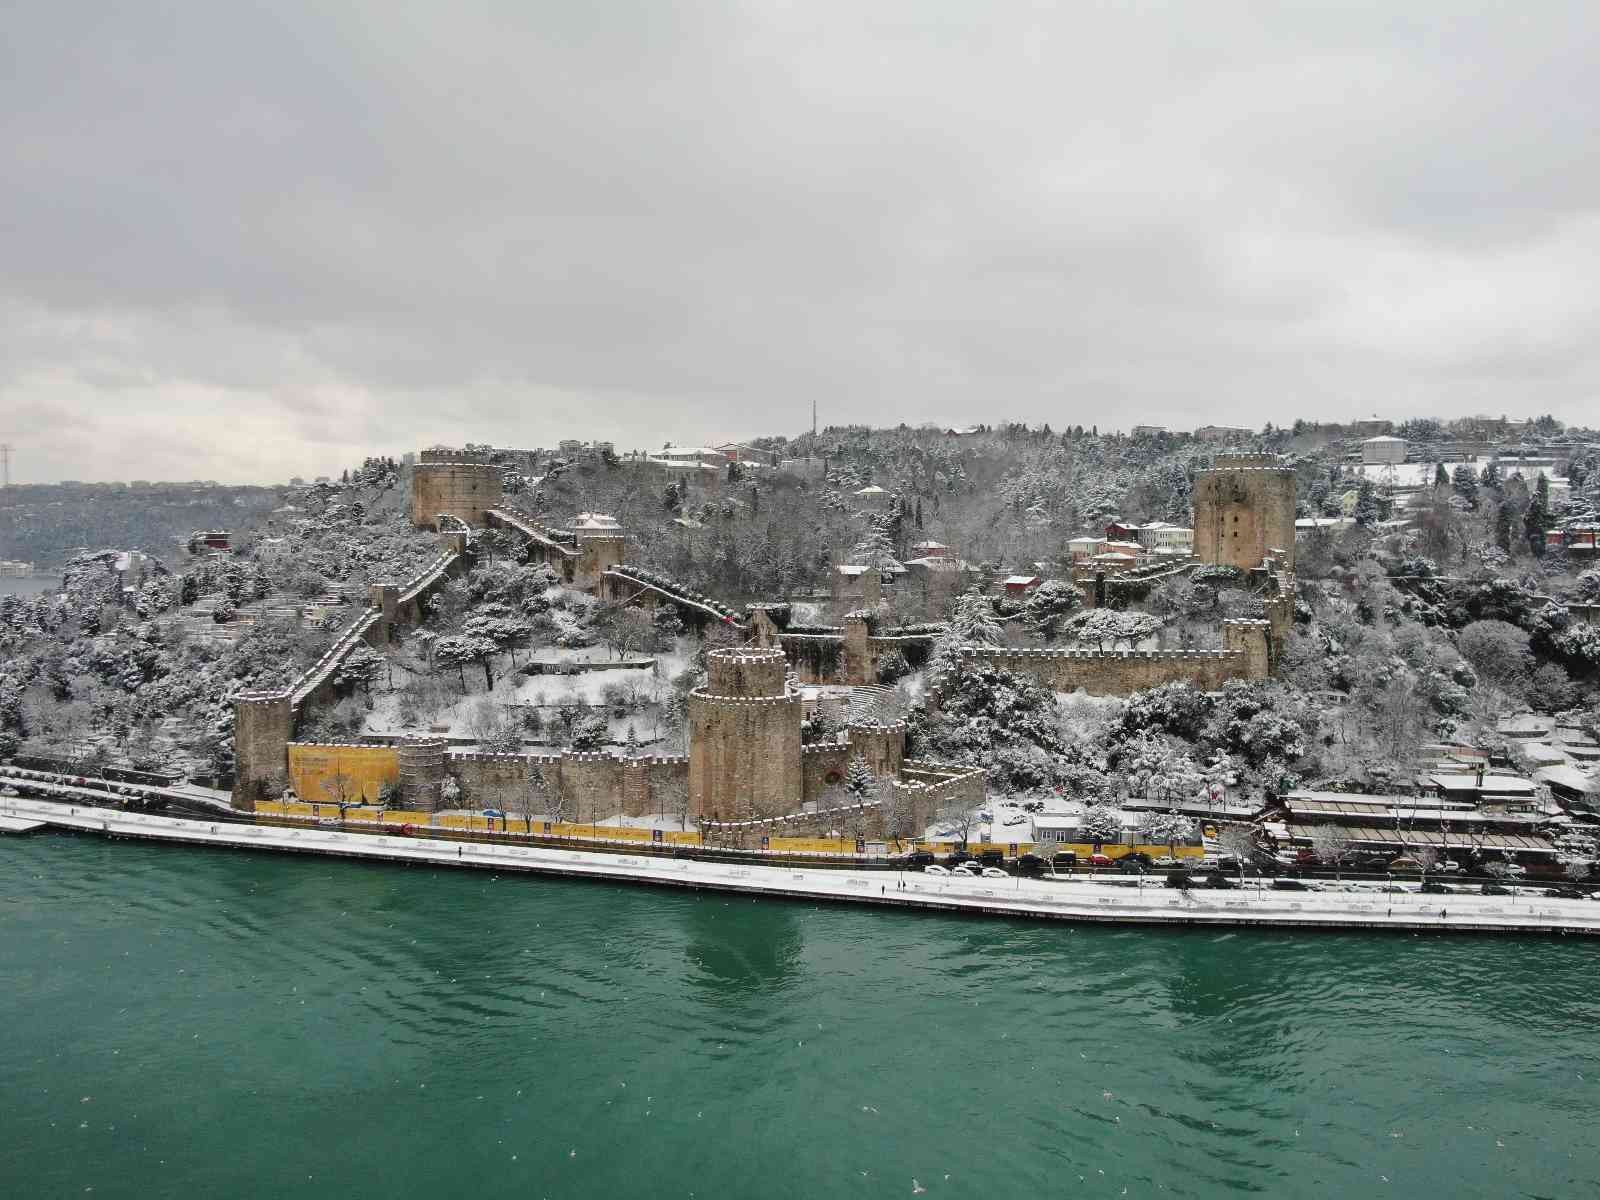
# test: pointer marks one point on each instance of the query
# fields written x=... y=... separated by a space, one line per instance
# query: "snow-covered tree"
x=1168 y=827
x=1051 y=603
x=859 y=780
x=973 y=622
x=1101 y=823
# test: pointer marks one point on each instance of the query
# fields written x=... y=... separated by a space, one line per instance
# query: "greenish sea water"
x=192 y=1023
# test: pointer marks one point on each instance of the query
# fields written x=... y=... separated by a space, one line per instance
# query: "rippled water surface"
x=194 y=1023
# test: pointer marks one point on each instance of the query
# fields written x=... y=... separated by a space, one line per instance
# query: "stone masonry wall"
x=822 y=766
x=263 y=727
x=595 y=786
x=1122 y=673
x=1240 y=514
x=466 y=490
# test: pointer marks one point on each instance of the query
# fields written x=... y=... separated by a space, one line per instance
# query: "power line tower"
x=5 y=464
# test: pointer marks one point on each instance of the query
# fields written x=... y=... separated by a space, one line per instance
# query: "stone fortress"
x=747 y=774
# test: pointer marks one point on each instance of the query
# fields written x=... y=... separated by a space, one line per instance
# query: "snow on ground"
x=652 y=683
x=1420 y=474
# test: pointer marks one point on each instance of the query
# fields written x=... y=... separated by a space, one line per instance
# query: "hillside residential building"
x=1383 y=449
x=1166 y=538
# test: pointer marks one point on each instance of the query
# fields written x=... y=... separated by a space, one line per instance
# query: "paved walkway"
x=1077 y=901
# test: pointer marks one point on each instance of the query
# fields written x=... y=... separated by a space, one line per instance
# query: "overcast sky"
x=244 y=242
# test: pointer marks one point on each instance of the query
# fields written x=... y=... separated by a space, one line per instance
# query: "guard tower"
x=744 y=737
x=1243 y=509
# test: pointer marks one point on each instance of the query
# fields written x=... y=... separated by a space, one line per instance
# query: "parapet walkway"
x=1077 y=902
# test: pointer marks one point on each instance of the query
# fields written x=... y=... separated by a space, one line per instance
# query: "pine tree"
x=1441 y=477
x=973 y=622
x=1465 y=482
x=1502 y=527
x=859 y=780
x=1536 y=521
x=1366 y=510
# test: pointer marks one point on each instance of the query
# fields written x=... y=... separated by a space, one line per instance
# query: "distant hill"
x=45 y=523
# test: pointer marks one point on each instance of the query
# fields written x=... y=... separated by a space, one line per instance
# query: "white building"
x=1167 y=538
x=1383 y=449
x=1082 y=549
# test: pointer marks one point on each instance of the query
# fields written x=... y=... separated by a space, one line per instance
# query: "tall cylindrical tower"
x=744 y=737
x=422 y=773
x=454 y=483
x=263 y=725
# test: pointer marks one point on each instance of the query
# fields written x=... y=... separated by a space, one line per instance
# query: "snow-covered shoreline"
x=1022 y=898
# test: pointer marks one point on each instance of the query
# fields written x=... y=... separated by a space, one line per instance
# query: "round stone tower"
x=1243 y=508
x=421 y=773
x=744 y=737
x=456 y=483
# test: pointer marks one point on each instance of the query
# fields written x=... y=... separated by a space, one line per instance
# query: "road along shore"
x=1077 y=901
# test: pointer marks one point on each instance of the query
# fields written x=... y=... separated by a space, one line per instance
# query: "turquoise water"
x=194 y=1023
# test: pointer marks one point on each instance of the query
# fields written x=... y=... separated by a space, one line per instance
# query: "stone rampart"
x=591 y=785
x=822 y=766
x=1118 y=673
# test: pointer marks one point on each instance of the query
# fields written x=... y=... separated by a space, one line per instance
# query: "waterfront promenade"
x=1078 y=901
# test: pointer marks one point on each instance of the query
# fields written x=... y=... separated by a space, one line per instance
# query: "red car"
x=1102 y=860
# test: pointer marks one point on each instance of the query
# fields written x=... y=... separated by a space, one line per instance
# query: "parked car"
x=1370 y=862
x=1504 y=870
x=1447 y=866
x=966 y=871
x=935 y=869
x=917 y=858
x=1404 y=864
x=1494 y=889
x=1031 y=864
x=1065 y=861
x=994 y=873
x=1434 y=888
x=1167 y=860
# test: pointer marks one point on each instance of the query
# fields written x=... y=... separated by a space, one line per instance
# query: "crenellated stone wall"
x=595 y=786
x=1119 y=673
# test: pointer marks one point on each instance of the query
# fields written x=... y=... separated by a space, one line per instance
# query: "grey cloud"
x=349 y=228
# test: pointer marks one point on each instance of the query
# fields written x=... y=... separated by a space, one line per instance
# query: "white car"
x=935 y=869
x=965 y=871
x=994 y=873
x=1166 y=860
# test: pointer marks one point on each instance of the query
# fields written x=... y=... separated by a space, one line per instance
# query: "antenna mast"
x=5 y=464
x=813 y=416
